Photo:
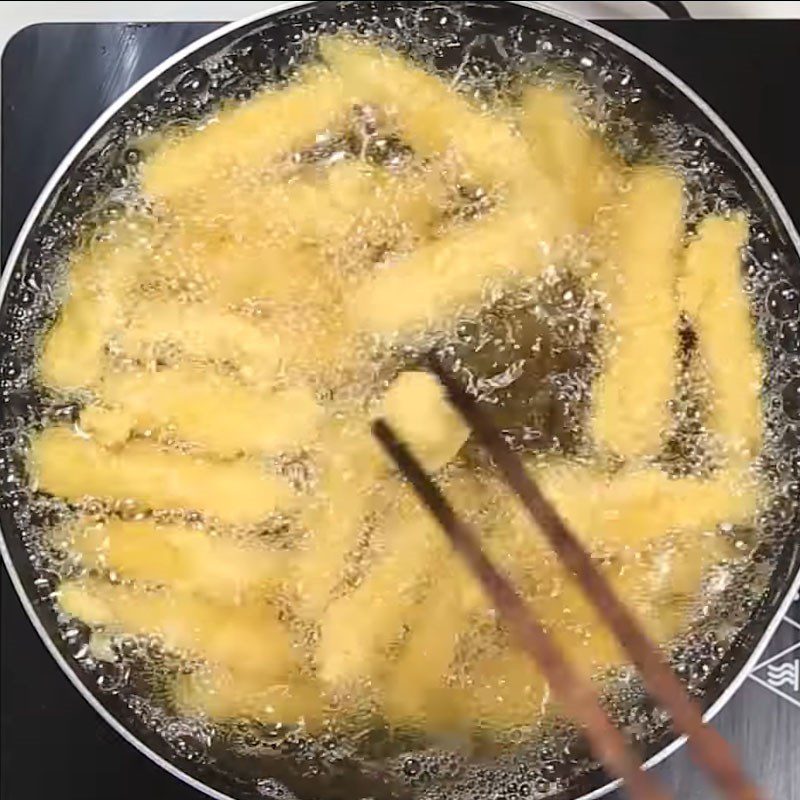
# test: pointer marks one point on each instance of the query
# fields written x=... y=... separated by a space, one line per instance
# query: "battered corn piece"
x=632 y=395
x=247 y=638
x=357 y=629
x=149 y=477
x=636 y=506
x=656 y=584
x=247 y=138
x=107 y=426
x=689 y=561
x=204 y=333
x=72 y=353
x=413 y=689
x=207 y=262
x=568 y=152
x=306 y=208
x=351 y=483
x=416 y=407
x=452 y=275
x=505 y=691
x=350 y=205
x=178 y=557
x=713 y=297
x=228 y=696
x=214 y=411
x=433 y=118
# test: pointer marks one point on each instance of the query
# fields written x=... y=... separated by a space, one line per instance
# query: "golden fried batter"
x=247 y=137
x=632 y=395
x=150 y=477
x=451 y=275
x=177 y=556
x=198 y=332
x=99 y=276
x=635 y=506
x=416 y=407
x=566 y=150
x=433 y=118
x=213 y=411
x=247 y=638
x=352 y=643
x=713 y=297
x=227 y=695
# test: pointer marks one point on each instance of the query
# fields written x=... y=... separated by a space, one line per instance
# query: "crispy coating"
x=350 y=485
x=432 y=117
x=246 y=138
x=451 y=275
x=713 y=297
x=631 y=398
x=202 y=333
x=213 y=411
x=227 y=695
x=150 y=477
x=636 y=506
x=568 y=151
x=247 y=637
x=177 y=556
x=416 y=407
x=72 y=353
x=413 y=687
x=353 y=642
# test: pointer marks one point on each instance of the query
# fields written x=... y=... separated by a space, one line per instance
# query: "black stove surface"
x=56 y=79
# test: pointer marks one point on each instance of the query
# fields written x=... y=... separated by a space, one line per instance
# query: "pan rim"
x=763 y=182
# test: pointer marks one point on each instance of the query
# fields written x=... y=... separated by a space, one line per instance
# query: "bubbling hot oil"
x=531 y=355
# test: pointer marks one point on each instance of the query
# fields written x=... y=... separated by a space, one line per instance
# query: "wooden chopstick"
x=710 y=750
x=574 y=691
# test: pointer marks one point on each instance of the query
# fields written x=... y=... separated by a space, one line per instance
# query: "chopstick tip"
x=434 y=364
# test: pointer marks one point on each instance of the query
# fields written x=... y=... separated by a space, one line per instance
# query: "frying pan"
x=233 y=62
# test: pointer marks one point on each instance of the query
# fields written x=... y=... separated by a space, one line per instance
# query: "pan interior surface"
x=478 y=45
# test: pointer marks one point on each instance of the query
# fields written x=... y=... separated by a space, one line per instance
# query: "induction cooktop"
x=56 y=78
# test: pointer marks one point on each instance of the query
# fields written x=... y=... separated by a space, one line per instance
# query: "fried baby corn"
x=632 y=394
x=247 y=138
x=564 y=148
x=413 y=687
x=176 y=332
x=432 y=117
x=228 y=695
x=416 y=407
x=150 y=477
x=636 y=506
x=451 y=275
x=177 y=556
x=247 y=637
x=214 y=411
x=73 y=350
x=357 y=628
x=714 y=299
